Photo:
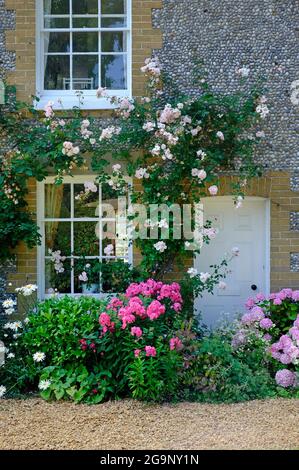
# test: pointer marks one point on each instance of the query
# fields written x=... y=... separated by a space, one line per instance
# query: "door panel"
x=246 y=229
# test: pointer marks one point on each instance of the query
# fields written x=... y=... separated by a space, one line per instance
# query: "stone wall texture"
x=223 y=35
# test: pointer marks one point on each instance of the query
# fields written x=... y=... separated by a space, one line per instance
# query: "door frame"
x=267 y=254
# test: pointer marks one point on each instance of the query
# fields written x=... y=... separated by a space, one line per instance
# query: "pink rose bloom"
x=150 y=351
x=213 y=190
x=137 y=352
x=175 y=343
x=155 y=309
x=136 y=331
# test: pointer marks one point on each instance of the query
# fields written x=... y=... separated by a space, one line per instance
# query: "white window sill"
x=64 y=102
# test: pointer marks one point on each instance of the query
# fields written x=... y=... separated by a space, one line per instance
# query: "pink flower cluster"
x=175 y=343
x=106 y=323
x=277 y=297
x=161 y=291
x=286 y=350
x=285 y=378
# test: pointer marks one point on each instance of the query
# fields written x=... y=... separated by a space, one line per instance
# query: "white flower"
x=239 y=202
x=9 y=311
x=148 y=126
x=220 y=135
x=163 y=224
x=9 y=303
x=192 y=272
x=109 y=250
x=160 y=246
x=39 y=356
x=222 y=285
x=243 y=71
x=202 y=174
x=28 y=289
x=83 y=277
x=204 y=277
x=90 y=187
x=2 y=390
x=10 y=355
x=14 y=326
x=116 y=168
x=201 y=154
x=142 y=173
x=180 y=105
x=92 y=141
x=235 y=251
x=44 y=384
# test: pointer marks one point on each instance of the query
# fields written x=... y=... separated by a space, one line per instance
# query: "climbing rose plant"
x=174 y=146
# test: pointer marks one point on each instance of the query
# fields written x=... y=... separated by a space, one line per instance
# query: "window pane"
x=57 y=73
x=56 y=7
x=113 y=277
x=85 y=6
x=86 y=201
x=58 y=280
x=85 y=42
x=113 y=42
x=57 y=42
x=114 y=74
x=92 y=269
x=58 y=238
x=114 y=22
x=85 y=72
x=57 y=22
x=113 y=7
x=57 y=201
x=85 y=22
x=86 y=239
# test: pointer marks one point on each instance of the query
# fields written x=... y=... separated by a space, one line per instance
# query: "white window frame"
x=41 y=220
x=69 y=97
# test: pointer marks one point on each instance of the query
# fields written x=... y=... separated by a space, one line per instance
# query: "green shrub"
x=215 y=372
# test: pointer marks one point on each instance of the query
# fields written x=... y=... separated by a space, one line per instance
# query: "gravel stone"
x=131 y=425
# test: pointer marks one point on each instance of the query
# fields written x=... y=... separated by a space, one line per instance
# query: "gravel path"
x=35 y=424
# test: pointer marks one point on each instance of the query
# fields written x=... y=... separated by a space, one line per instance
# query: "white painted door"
x=245 y=228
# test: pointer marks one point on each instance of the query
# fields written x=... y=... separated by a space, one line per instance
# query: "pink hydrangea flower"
x=136 y=331
x=295 y=295
x=266 y=324
x=150 y=351
x=285 y=378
